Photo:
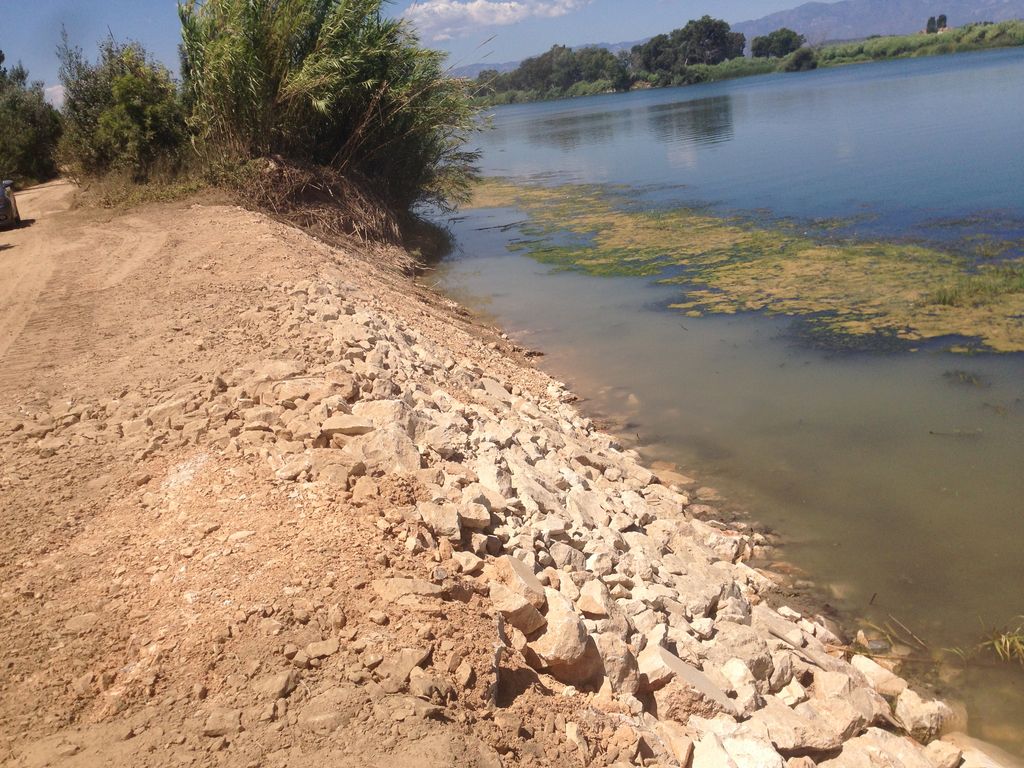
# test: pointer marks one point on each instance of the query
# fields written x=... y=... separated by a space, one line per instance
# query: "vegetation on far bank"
x=323 y=111
x=845 y=287
x=972 y=37
x=706 y=50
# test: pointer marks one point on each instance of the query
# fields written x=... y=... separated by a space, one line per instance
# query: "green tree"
x=941 y=21
x=29 y=128
x=931 y=27
x=708 y=41
x=121 y=113
x=666 y=59
x=777 y=44
x=327 y=83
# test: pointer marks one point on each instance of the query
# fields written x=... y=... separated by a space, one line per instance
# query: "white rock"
x=519 y=577
x=467 y=562
x=880 y=678
x=942 y=754
x=879 y=749
x=346 y=424
x=927 y=719
x=565 y=648
x=594 y=599
x=792 y=693
x=659 y=666
x=474 y=516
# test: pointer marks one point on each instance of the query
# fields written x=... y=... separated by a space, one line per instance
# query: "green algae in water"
x=852 y=289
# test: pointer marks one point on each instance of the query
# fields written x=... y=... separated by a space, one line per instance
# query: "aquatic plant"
x=988 y=284
x=856 y=288
x=1007 y=643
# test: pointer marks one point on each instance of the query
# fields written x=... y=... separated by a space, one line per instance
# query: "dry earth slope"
x=266 y=504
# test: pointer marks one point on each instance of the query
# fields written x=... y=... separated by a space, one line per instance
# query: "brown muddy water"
x=895 y=480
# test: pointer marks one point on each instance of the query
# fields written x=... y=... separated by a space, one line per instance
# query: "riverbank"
x=966 y=39
x=272 y=504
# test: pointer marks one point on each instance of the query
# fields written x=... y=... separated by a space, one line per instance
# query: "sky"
x=470 y=31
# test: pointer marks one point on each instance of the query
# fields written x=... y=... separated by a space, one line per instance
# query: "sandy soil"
x=146 y=586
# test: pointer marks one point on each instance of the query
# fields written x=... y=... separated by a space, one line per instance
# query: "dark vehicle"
x=9 y=216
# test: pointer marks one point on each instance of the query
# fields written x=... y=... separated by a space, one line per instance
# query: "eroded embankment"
x=270 y=505
x=849 y=290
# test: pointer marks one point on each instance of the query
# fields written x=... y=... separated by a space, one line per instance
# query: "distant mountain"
x=845 y=20
x=472 y=70
x=852 y=19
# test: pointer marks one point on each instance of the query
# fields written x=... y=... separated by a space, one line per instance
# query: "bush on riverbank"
x=329 y=84
x=802 y=60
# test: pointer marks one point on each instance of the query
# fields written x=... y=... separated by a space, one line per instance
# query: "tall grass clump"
x=981 y=287
x=319 y=97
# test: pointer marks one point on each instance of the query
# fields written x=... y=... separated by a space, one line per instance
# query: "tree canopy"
x=29 y=127
x=558 y=71
x=664 y=59
x=121 y=112
x=777 y=44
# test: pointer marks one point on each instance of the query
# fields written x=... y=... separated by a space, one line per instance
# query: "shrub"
x=327 y=83
x=801 y=60
x=121 y=114
x=29 y=128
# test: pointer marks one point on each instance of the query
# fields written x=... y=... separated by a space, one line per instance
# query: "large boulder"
x=385 y=450
x=795 y=733
x=879 y=749
x=690 y=690
x=520 y=578
x=620 y=667
x=926 y=719
x=516 y=609
x=565 y=649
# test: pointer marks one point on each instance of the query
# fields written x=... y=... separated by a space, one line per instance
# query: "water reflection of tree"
x=703 y=121
x=572 y=131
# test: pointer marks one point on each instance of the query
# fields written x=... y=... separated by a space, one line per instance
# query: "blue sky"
x=470 y=30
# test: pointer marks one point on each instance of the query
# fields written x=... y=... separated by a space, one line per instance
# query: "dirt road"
x=150 y=580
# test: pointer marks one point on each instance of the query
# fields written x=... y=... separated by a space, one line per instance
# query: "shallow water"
x=896 y=482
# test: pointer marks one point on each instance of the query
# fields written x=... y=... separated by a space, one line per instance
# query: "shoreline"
x=824 y=65
x=275 y=503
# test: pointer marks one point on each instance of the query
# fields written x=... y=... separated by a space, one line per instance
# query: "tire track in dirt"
x=48 y=305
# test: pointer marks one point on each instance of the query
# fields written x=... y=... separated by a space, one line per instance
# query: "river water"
x=895 y=479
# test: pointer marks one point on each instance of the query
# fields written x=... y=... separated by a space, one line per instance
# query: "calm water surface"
x=898 y=486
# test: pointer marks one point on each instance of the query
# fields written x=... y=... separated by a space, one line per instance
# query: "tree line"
x=683 y=56
x=331 y=90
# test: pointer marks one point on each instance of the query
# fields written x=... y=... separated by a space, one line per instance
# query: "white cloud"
x=445 y=19
x=55 y=95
